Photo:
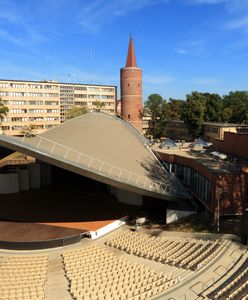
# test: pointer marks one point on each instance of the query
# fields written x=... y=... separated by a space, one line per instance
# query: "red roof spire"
x=131 y=60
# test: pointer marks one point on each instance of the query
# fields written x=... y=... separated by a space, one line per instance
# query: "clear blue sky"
x=181 y=45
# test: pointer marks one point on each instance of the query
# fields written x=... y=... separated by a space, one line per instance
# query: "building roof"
x=224 y=124
x=104 y=148
x=216 y=165
x=213 y=124
x=131 y=59
x=56 y=82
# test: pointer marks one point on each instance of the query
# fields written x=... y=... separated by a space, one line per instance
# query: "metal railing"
x=98 y=166
x=212 y=282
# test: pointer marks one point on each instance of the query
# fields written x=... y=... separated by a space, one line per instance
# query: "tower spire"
x=131 y=60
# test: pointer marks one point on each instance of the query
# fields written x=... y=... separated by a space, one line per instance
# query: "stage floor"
x=56 y=213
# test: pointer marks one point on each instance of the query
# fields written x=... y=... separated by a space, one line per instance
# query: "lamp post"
x=218 y=214
x=218 y=194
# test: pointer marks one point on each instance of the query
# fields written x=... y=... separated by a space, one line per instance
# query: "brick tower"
x=131 y=89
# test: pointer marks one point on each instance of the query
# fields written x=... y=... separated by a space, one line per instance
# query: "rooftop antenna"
x=90 y=59
x=74 y=77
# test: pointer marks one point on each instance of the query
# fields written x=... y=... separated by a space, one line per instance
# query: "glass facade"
x=194 y=181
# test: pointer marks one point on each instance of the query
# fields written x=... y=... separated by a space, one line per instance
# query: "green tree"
x=29 y=131
x=237 y=103
x=155 y=107
x=193 y=112
x=3 y=111
x=174 y=109
x=226 y=114
x=76 y=112
x=213 y=107
x=99 y=105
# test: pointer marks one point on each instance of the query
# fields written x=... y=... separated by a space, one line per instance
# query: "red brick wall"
x=131 y=96
x=234 y=143
x=231 y=189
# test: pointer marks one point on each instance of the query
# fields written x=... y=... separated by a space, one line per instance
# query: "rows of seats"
x=23 y=277
x=235 y=287
x=96 y=273
x=188 y=253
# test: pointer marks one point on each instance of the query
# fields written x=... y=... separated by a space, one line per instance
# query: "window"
x=6 y=119
x=31 y=94
x=128 y=117
x=36 y=119
x=51 y=103
x=92 y=88
x=4 y=94
x=18 y=111
x=19 y=119
x=52 y=111
x=66 y=87
x=34 y=86
x=3 y=85
x=19 y=86
x=35 y=111
x=35 y=102
x=16 y=102
x=80 y=103
x=80 y=96
x=17 y=94
x=80 y=88
x=50 y=95
x=107 y=96
x=51 y=87
x=108 y=89
x=94 y=96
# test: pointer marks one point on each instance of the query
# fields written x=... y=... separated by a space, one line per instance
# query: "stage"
x=55 y=217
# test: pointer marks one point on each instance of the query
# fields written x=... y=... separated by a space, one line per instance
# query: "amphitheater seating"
x=235 y=287
x=23 y=277
x=188 y=253
x=96 y=273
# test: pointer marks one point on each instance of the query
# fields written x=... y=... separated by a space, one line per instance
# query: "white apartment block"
x=40 y=105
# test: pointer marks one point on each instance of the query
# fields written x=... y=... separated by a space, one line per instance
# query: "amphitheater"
x=130 y=265
x=123 y=263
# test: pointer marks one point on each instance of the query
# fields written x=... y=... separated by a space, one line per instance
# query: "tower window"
x=128 y=117
x=128 y=84
x=138 y=85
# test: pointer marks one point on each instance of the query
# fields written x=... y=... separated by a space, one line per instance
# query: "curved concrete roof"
x=104 y=148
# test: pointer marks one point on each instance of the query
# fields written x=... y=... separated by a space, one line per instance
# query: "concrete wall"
x=129 y=198
x=174 y=215
x=9 y=183
x=23 y=180
x=34 y=176
x=46 y=174
x=108 y=228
